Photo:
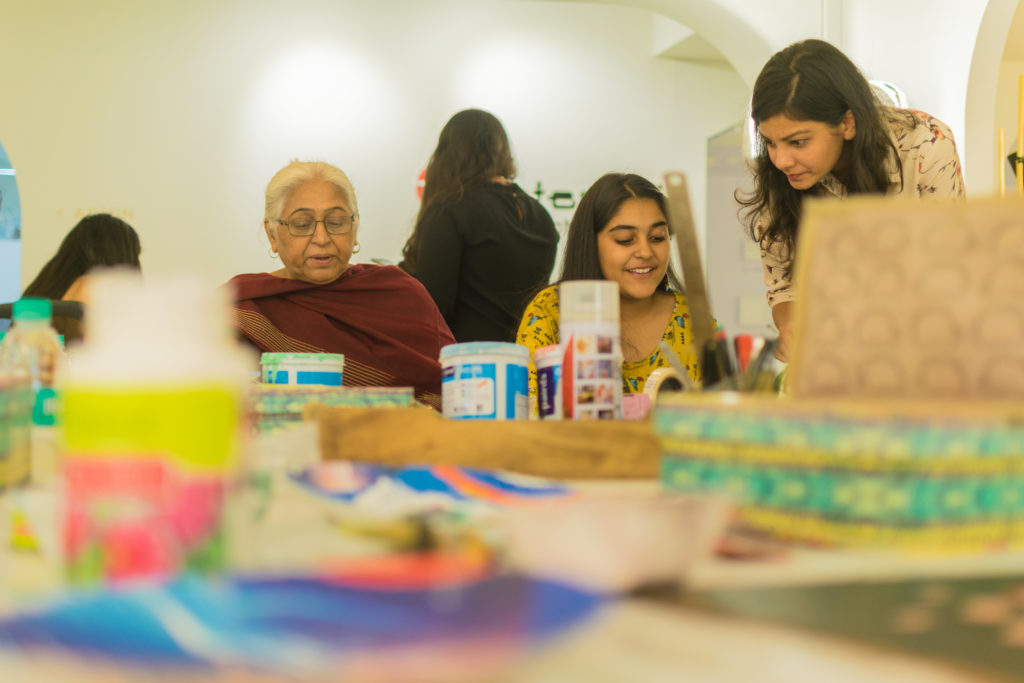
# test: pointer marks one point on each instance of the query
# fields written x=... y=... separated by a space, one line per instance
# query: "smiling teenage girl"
x=823 y=133
x=620 y=233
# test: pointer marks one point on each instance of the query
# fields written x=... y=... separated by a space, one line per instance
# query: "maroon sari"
x=382 y=319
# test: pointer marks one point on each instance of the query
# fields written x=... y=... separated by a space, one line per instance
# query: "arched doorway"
x=983 y=86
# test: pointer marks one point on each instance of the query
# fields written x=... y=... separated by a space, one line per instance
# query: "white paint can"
x=485 y=381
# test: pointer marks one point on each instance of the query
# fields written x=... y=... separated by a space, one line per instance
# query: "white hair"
x=285 y=181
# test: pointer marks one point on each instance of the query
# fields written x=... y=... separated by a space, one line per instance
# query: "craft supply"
x=875 y=279
x=911 y=475
x=758 y=375
x=661 y=379
x=485 y=381
x=685 y=232
x=560 y=449
x=278 y=407
x=302 y=368
x=151 y=430
x=636 y=406
x=744 y=345
x=548 y=361
x=672 y=357
x=589 y=329
x=723 y=351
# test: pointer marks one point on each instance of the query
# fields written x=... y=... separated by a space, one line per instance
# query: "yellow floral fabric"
x=539 y=327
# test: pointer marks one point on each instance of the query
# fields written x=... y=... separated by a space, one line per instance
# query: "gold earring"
x=356 y=249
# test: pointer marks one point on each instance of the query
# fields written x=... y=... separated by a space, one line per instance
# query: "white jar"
x=485 y=381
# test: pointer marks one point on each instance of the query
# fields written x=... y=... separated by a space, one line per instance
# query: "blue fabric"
x=280 y=622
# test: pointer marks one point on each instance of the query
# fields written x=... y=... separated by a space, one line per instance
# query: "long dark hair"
x=472 y=149
x=97 y=240
x=813 y=81
x=596 y=209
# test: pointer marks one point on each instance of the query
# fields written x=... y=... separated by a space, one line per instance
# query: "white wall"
x=175 y=116
x=923 y=46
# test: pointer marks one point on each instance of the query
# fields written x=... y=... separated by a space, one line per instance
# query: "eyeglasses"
x=335 y=223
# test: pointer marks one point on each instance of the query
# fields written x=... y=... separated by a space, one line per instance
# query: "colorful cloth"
x=348 y=482
x=929 y=167
x=539 y=327
x=380 y=318
x=318 y=628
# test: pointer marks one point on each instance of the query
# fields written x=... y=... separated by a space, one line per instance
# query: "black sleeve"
x=440 y=258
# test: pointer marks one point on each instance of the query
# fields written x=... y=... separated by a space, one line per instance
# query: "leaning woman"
x=620 y=233
x=380 y=318
x=823 y=133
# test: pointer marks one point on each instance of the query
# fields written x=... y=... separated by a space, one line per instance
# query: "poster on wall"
x=10 y=231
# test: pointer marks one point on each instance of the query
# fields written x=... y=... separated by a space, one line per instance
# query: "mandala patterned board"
x=912 y=299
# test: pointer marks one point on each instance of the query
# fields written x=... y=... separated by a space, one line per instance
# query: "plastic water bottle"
x=15 y=427
x=33 y=346
x=31 y=359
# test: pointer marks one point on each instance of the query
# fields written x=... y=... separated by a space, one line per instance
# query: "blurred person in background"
x=481 y=245
x=99 y=240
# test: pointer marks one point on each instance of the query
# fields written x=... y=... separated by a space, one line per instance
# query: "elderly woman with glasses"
x=382 y=319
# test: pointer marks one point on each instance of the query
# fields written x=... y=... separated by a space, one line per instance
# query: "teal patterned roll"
x=933 y=477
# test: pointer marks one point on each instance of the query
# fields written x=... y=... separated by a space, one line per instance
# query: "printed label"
x=549 y=392
x=470 y=392
x=594 y=372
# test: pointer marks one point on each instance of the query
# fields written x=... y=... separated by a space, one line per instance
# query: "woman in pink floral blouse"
x=823 y=133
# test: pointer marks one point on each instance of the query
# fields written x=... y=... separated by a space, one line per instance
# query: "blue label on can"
x=470 y=392
x=517 y=391
x=331 y=379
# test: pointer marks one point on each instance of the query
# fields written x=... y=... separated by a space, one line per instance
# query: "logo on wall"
x=556 y=202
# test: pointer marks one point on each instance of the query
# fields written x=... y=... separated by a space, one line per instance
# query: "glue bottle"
x=151 y=430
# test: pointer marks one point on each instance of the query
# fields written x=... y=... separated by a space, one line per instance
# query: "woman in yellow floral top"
x=823 y=133
x=620 y=233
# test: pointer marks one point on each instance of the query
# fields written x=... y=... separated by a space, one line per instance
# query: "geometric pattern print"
x=843 y=509
x=917 y=483
x=356 y=374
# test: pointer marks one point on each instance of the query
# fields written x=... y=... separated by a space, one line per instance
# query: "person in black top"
x=481 y=245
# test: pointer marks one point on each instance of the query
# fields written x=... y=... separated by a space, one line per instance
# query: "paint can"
x=548 y=361
x=302 y=368
x=485 y=381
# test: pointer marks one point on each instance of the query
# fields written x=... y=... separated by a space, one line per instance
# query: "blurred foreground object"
x=305 y=629
x=151 y=429
x=905 y=299
x=907 y=475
